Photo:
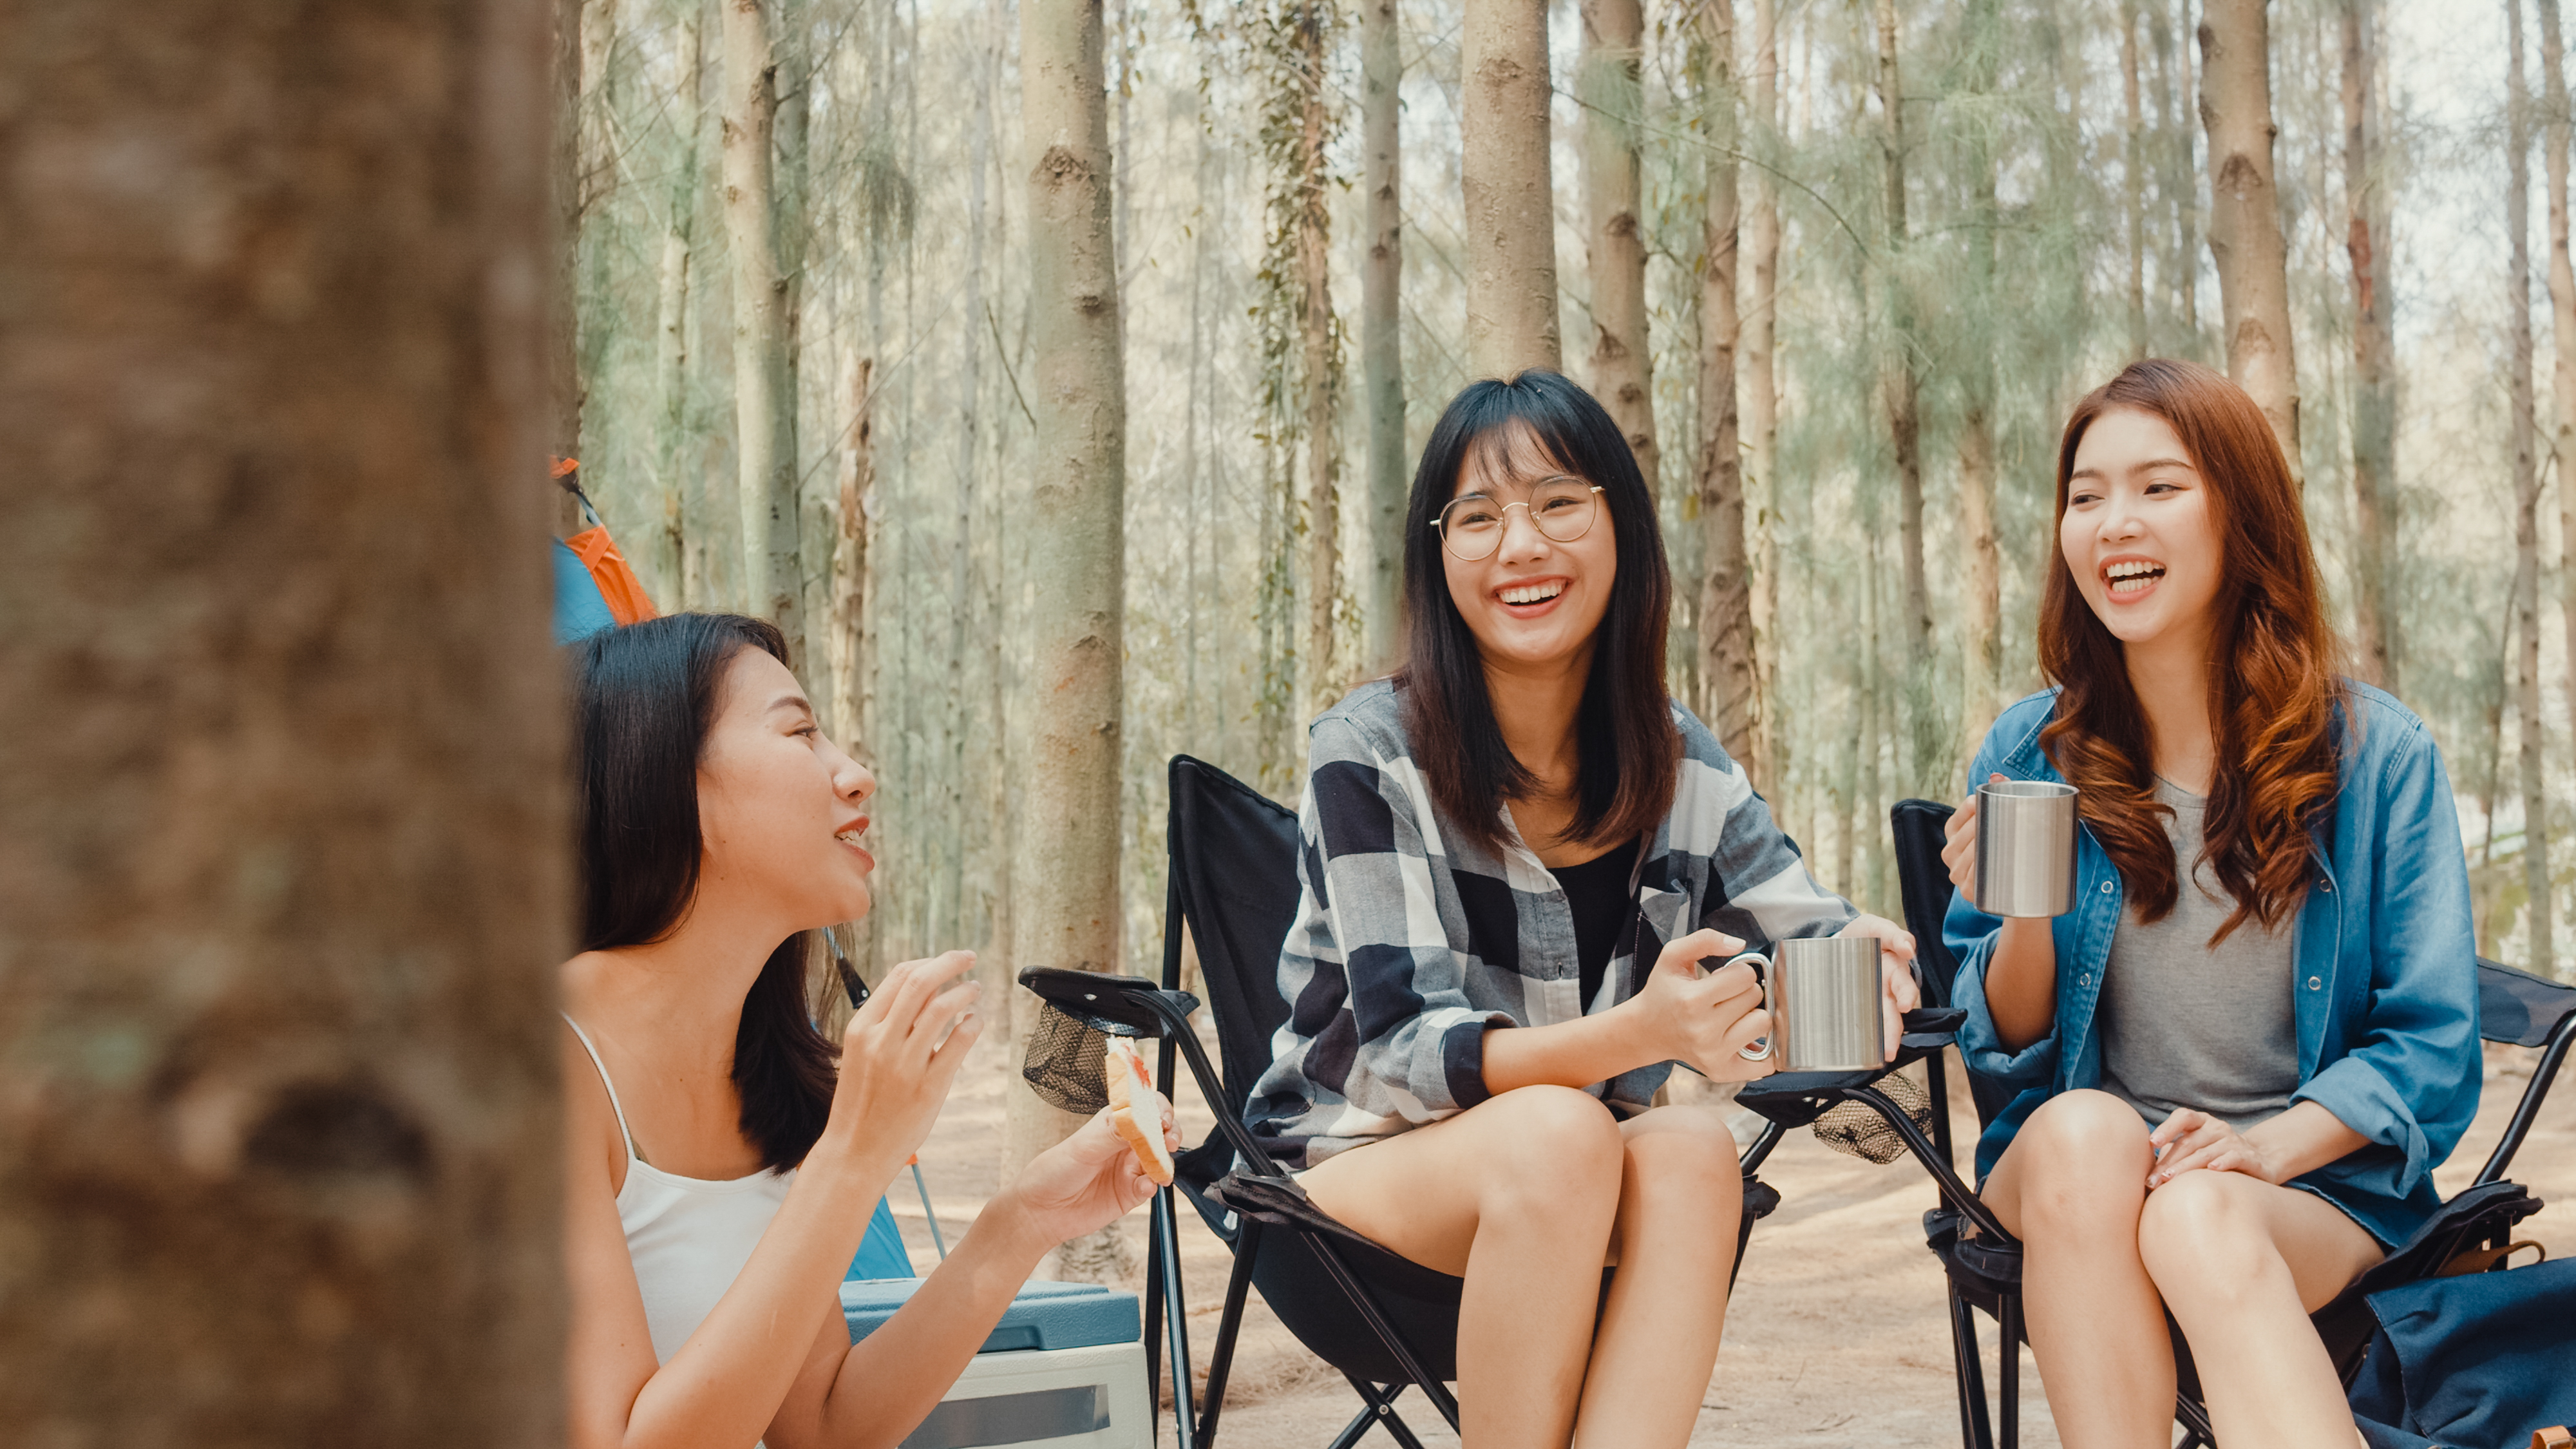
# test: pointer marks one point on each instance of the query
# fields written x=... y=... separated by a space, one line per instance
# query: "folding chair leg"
x=2195 y=1424
x=1247 y=1247
x=1356 y=1429
x=1366 y=1302
x=1380 y=1410
x=1167 y=1253
x=1743 y=1239
x=1974 y=1430
x=2008 y=1374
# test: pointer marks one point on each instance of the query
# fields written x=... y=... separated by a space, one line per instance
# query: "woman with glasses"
x=1518 y=851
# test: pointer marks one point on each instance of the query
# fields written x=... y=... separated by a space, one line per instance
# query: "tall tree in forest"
x=1902 y=387
x=1614 y=102
x=2526 y=496
x=671 y=315
x=1725 y=607
x=563 y=322
x=1769 y=761
x=2245 y=238
x=1065 y=907
x=846 y=649
x=2562 y=312
x=1319 y=368
x=285 y=872
x=763 y=389
x=1982 y=606
x=1381 y=325
x=2133 y=185
x=1504 y=180
x=2374 y=364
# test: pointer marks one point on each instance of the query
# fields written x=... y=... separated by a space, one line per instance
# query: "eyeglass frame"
x=1523 y=505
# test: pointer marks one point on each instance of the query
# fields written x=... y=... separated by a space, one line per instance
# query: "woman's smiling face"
x=781 y=809
x=1534 y=602
x=2140 y=533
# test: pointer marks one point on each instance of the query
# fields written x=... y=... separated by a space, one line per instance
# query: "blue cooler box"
x=1064 y=1369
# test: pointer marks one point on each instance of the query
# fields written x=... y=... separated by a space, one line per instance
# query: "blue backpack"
x=2479 y=1361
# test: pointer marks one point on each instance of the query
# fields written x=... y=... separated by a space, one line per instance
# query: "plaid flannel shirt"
x=1408 y=944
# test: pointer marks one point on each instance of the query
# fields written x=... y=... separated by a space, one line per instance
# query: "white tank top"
x=689 y=1237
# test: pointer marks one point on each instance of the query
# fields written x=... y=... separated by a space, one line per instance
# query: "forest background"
x=1872 y=255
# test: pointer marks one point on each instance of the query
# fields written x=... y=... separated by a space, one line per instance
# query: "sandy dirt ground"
x=1836 y=1334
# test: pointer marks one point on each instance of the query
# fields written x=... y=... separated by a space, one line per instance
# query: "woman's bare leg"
x=2242 y=1263
x=2071 y=1187
x=1517 y=1195
x=1681 y=1196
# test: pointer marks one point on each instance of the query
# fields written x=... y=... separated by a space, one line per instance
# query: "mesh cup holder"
x=1063 y=1063
x=1856 y=1129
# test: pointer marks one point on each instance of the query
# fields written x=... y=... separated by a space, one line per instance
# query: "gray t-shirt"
x=2188 y=1024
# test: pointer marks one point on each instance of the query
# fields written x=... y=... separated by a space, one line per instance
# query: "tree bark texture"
x=2562 y=313
x=1381 y=327
x=1981 y=609
x=671 y=319
x=2374 y=368
x=284 y=874
x=848 y=652
x=1903 y=387
x=1319 y=362
x=764 y=400
x=2526 y=488
x=563 y=321
x=1614 y=101
x=1761 y=395
x=1065 y=906
x=1504 y=182
x=1725 y=602
x=2245 y=213
x=2133 y=189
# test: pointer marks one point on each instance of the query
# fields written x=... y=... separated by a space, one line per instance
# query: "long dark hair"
x=2273 y=681
x=644 y=702
x=1625 y=743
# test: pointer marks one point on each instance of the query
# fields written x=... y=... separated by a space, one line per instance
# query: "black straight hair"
x=645 y=700
x=1625 y=742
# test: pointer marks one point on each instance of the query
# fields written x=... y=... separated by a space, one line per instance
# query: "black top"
x=1597 y=892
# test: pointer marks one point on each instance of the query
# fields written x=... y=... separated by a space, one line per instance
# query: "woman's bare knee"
x=2084 y=1164
x=2203 y=1239
x=1551 y=1144
x=1684 y=1151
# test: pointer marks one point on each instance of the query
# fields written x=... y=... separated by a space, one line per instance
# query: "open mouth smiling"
x=1541 y=592
x=2130 y=578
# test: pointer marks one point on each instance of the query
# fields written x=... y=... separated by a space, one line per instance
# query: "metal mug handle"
x=1762 y=972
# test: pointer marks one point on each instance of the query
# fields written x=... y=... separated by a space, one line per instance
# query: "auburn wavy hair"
x=2274 y=682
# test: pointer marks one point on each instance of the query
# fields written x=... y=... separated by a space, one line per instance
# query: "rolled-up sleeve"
x=2412 y=1082
x=1416 y=1047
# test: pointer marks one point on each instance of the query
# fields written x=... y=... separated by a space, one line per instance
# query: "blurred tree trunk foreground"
x=282 y=876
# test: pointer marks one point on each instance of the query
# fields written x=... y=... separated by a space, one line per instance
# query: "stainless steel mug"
x=1823 y=993
x=2025 y=848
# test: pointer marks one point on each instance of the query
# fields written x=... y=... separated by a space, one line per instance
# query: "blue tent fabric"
x=881 y=1252
x=2473 y=1362
x=579 y=610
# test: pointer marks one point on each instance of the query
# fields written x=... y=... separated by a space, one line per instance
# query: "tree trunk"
x=2245 y=213
x=671 y=320
x=2374 y=371
x=1065 y=907
x=284 y=876
x=1319 y=368
x=2526 y=489
x=813 y=509
x=1761 y=398
x=1504 y=181
x=764 y=402
x=1381 y=329
x=2562 y=313
x=848 y=650
x=1982 y=608
x=2182 y=183
x=1614 y=104
x=1903 y=387
x=563 y=321
x=2133 y=190
x=1725 y=612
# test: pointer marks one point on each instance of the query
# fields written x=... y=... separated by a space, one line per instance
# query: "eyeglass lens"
x=1561 y=508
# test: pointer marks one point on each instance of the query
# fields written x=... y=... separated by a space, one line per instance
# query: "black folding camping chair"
x=2470 y=1233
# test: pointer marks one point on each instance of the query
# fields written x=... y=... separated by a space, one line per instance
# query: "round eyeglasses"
x=1560 y=508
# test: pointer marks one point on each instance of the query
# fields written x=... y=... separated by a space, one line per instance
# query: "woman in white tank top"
x=721 y=1168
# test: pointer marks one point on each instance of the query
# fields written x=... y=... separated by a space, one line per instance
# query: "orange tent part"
x=618 y=587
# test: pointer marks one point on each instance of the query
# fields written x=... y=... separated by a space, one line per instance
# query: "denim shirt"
x=2386 y=980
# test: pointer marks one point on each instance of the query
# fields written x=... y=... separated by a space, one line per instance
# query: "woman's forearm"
x=728 y=1381
x=1574 y=1053
x=2301 y=1140
x=2021 y=981
x=892 y=1379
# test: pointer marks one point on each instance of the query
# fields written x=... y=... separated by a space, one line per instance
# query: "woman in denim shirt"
x=2244 y=1051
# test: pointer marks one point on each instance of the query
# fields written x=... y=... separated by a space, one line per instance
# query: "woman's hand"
x=1704 y=1020
x=902 y=1050
x=1895 y=971
x=1959 y=847
x=2190 y=1139
x=1089 y=1180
